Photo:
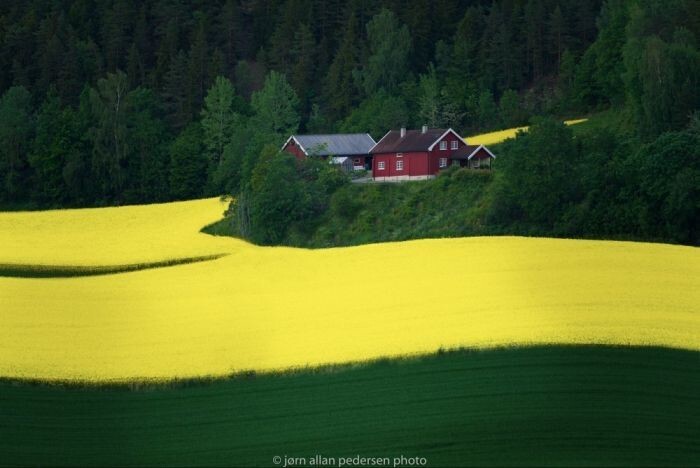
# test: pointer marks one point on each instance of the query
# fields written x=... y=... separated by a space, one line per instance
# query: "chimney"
x=425 y=129
x=403 y=132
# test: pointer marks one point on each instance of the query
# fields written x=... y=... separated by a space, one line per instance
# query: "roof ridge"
x=329 y=134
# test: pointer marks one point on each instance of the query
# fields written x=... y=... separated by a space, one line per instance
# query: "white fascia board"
x=380 y=140
x=430 y=148
x=485 y=149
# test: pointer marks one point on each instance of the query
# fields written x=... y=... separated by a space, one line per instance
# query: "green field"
x=580 y=405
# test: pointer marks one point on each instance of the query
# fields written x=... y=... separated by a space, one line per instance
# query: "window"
x=357 y=161
x=399 y=165
x=477 y=163
x=399 y=155
x=380 y=165
x=443 y=145
x=443 y=162
x=455 y=144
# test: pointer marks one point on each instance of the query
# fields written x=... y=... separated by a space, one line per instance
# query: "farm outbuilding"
x=354 y=146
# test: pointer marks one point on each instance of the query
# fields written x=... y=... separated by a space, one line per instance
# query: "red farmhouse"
x=421 y=154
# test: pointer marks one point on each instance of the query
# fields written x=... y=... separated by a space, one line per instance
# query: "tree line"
x=106 y=101
x=118 y=101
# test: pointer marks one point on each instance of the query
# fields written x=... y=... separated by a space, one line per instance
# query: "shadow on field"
x=66 y=271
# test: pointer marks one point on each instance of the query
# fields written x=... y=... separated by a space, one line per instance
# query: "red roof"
x=414 y=140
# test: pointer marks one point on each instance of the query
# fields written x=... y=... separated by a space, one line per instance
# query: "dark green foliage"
x=351 y=214
x=284 y=194
x=389 y=45
x=109 y=137
x=147 y=162
x=541 y=189
x=487 y=111
x=16 y=128
x=276 y=196
x=558 y=405
x=669 y=186
x=511 y=110
x=377 y=115
x=339 y=92
x=276 y=107
x=599 y=77
x=662 y=64
x=219 y=118
x=56 y=138
x=188 y=163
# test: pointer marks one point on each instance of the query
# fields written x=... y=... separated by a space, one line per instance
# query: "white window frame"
x=455 y=144
x=381 y=165
x=399 y=165
x=399 y=155
x=443 y=146
x=443 y=162
x=477 y=163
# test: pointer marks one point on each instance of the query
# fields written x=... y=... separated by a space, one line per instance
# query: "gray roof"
x=342 y=144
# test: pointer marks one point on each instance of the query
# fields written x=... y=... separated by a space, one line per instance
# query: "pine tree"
x=116 y=33
x=168 y=40
x=510 y=109
x=134 y=68
x=16 y=128
x=418 y=16
x=175 y=94
x=54 y=141
x=188 y=164
x=229 y=27
x=218 y=118
x=339 y=89
x=50 y=51
x=302 y=72
x=429 y=102
x=557 y=34
x=276 y=107
x=147 y=160
x=487 y=111
x=73 y=73
x=389 y=46
x=534 y=38
x=198 y=79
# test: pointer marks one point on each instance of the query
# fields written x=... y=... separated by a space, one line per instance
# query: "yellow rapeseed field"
x=276 y=308
x=502 y=135
x=111 y=236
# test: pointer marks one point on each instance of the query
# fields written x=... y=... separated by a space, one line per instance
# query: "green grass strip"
x=65 y=271
x=538 y=406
